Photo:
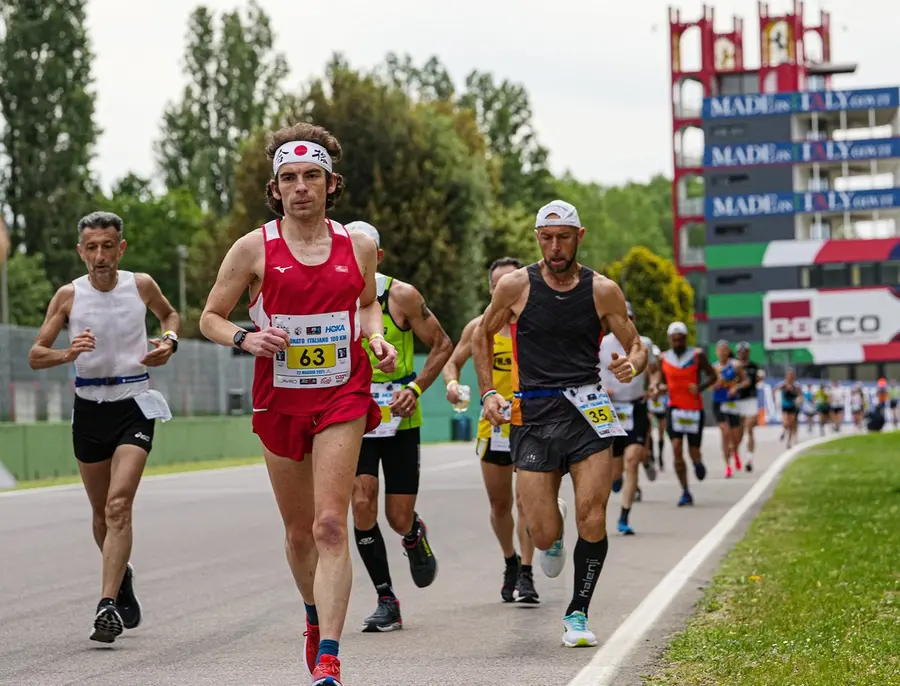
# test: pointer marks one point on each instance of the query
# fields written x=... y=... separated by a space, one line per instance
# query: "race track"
x=220 y=607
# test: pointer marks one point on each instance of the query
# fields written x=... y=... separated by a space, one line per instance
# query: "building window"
x=867 y=275
x=866 y=372
x=829 y=276
x=890 y=273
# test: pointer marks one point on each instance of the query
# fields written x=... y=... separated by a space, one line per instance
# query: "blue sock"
x=327 y=647
x=311 y=614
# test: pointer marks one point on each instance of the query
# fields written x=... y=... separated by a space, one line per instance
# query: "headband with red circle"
x=301 y=151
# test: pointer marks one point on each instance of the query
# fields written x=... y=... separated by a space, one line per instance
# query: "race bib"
x=500 y=435
x=318 y=353
x=625 y=413
x=657 y=406
x=686 y=421
x=730 y=407
x=153 y=405
x=383 y=394
x=594 y=405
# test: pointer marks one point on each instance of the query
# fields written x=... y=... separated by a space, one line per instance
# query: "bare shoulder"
x=144 y=282
x=511 y=286
x=604 y=287
x=405 y=296
x=65 y=296
x=363 y=243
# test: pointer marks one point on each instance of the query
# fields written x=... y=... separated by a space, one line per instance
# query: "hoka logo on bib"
x=335 y=328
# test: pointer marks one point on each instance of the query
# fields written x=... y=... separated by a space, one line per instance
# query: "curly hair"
x=314 y=134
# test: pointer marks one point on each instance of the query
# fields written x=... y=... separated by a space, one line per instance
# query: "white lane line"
x=606 y=662
x=204 y=472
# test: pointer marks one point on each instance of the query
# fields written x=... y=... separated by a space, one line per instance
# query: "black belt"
x=81 y=382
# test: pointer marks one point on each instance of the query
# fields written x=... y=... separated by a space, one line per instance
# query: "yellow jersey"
x=502 y=377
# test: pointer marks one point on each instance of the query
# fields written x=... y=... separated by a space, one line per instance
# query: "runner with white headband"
x=313 y=291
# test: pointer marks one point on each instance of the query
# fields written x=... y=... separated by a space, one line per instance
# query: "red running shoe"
x=311 y=647
x=737 y=461
x=327 y=672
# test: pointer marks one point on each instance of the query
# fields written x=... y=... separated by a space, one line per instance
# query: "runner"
x=679 y=375
x=493 y=450
x=561 y=417
x=836 y=404
x=114 y=412
x=656 y=404
x=395 y=444
x=790 y=394
x=313 y=301
x=822 y=406
x=857 y=405
x=808 y=408
x=894 y=396
x=748 y=402
x=630 y=403
x=725 y=393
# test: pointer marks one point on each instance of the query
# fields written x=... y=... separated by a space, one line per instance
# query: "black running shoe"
x=386 y=616
x=525 y=592
x=510 y=577
x=127 y=602
x=422 y=562
x=107 y=622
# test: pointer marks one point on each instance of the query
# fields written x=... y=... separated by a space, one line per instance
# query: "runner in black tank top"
x=561 y=418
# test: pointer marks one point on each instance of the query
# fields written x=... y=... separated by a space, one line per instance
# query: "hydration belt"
x=81 y=382
x=403 y=381
x=545 y=392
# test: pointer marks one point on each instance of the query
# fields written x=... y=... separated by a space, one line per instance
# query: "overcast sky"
x=597 y=72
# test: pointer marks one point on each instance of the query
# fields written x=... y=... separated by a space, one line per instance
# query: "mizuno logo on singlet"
x=283 y=269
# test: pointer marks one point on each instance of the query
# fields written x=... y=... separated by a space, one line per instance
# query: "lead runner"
x=313 y=300
x=561 y=418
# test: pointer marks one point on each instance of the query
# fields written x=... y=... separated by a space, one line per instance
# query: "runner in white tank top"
x=114 y=411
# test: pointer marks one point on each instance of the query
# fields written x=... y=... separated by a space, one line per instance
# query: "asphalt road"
x=220 y=607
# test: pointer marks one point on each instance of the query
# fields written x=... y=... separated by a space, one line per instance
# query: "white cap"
x=677 y=328
x=366 y=228
x=566 y=215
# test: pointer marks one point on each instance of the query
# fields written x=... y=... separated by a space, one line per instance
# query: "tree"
x=233 y=88
x=27 y=280
x=658 y=293
x=49 y=133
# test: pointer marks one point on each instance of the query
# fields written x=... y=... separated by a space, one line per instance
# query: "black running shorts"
x=400 y=458
x=694 y=440
x=557 y=445
x=638 y=433
x=500 y=458
x=733 y=420
x=99 y=428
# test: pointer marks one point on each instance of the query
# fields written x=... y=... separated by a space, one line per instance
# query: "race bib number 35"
x=318 y=354
x=594 y=405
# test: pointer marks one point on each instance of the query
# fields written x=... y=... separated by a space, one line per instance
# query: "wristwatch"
x=239 y=338
x=171 y=336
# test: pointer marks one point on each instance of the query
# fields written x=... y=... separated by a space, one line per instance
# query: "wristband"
x=634 y=371
x=487 y=393
x=374 y=336
x=452 y=383
x=414 y=387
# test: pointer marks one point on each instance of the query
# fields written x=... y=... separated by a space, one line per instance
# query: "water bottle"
x=462 y=405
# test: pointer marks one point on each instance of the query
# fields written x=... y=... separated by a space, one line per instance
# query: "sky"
x=597 y=72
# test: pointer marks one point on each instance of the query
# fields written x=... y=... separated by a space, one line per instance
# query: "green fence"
x=44 y=449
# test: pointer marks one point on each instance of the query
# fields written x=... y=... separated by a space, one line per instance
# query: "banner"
x=811 y=202
x=763 y=154
x=771 y=104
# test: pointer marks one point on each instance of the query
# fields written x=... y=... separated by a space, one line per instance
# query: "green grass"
x=811 y=596
x=152 y=470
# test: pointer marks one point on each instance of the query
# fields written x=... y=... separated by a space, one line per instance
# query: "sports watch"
x=239 y=337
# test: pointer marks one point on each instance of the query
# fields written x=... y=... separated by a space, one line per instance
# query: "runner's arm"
x=235 y=276
x=610 y=304
x=158 y=304
x=42 y=354
x=461 y=353
x=498 y=314
x=371 y=319
x=712 y=376
x=427 y=329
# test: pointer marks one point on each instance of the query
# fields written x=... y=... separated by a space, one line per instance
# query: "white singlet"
x=618 y=391
x=117 y=319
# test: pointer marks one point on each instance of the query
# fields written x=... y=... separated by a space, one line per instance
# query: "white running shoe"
x=577 y=634
x=554 y=559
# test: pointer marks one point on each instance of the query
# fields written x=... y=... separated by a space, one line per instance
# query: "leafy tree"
x=233 y=88
x=48 y=137
x=27 y=281
x=658 y=293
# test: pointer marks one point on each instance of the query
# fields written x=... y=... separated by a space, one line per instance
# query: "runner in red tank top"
x=313 y=300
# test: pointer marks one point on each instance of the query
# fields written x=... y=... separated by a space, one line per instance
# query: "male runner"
x=115 y=411
x=656 y=404
x=748 y=402
x=395 y=443
x=680 y=369
x=562 y=419
x=630 y=403
x=312 y=290
x=492 y=448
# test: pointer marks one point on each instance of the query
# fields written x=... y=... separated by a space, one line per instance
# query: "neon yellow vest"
x=502 y=376
x=403 y=341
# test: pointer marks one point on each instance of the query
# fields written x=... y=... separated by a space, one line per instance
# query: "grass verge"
x=151 y=470
x=811 y=595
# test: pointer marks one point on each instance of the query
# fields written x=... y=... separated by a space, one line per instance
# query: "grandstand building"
x=786 y=208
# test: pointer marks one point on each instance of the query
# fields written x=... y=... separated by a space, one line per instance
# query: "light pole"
x=182 y=252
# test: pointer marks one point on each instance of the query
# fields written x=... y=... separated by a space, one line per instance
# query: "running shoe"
x=577 y=634
x=650 y=468
x=510 y=577
x=617 y=485
x=700 y=470
x=685 y=499
x=327 y=672
x=127 y=602
x=422 y=562
x=554 y=559
x=386 y=616
x=625 y=529
x=737 y=461
x=311 y=645
x=728 y=472
x=107 y=622
x=525 y=591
